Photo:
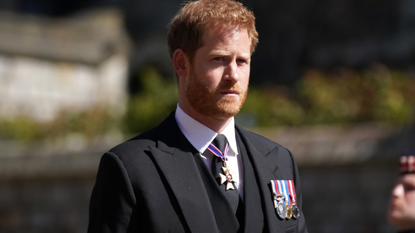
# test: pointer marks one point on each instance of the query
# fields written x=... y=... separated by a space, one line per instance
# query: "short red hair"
x=187 y=27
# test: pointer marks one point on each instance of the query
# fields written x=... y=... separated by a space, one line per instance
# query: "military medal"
x=285 y=199
x=279 y=206
x=279 y=199
x=294 y=208
x=281 y=210
x=289 y=211
x=284 y=187
x=226 y=176
x=295 y=211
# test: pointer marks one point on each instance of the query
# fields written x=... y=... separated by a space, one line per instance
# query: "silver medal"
x=281 y=210
x=296 y=211
x=279 y=206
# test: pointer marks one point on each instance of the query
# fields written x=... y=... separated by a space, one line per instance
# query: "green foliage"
x=150 y=106
x=394 y=100
x=88 y=123
x=344 y=96
x=21 y=128
x=270 y=106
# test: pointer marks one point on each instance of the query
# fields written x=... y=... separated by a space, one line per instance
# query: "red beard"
x=211 y=102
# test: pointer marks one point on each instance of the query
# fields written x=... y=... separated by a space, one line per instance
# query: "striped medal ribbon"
x=284 y=184
x=226 y=176
x=294 y=207
x=279 y=199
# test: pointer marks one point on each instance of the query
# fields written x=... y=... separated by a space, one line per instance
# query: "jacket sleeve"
x=112 y=200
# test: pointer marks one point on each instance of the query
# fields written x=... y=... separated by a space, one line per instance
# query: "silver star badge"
x=226 y=177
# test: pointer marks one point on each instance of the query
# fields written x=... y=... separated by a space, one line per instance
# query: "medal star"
x=226 y=177
x=225 y=170
x=222 y=178
x=229 y=186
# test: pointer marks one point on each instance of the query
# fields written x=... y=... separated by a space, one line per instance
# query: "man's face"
x=219 y=73
x=402 y=206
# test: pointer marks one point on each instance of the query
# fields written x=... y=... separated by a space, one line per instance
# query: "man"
x=402 y=207
x=197 y=171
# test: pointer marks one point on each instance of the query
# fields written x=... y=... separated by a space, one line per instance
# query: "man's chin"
x=398 y=218
x=226 y=112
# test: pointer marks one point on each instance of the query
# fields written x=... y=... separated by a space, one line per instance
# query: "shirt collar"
x=199 y=135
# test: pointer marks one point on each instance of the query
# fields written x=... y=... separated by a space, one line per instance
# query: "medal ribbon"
x=286 y=191
x=280 y=189
x=287 y=188
x=292 y=192
x=274 y=186
x=223 y=156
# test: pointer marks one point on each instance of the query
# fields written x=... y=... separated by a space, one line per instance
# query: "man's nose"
x=398 y=190
x=231 y=72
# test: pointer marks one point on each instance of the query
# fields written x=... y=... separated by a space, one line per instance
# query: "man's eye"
x=218 y=59
x=409 y=188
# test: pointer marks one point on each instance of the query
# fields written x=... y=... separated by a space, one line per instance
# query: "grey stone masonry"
x=49 y=65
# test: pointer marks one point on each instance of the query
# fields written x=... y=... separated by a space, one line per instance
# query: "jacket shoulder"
x=262 y=143
x=166 y=132
x=138 y=143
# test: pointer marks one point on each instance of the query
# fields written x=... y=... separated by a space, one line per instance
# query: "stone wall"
x=46 y=187
x=45 y=206
x=48 y=66
x=42 y=89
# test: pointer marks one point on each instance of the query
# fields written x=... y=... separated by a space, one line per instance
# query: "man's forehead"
x=215 y=29
x=214 y=33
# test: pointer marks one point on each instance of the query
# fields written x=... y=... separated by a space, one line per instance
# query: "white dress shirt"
x=200 y=136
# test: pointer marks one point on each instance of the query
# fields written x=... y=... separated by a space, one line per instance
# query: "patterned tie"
x=217 y=164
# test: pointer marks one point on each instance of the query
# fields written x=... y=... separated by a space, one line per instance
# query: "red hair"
x=187 y=27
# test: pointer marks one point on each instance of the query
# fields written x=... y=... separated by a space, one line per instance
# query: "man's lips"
x=230 y=92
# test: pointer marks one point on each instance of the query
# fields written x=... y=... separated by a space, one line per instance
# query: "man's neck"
x=215 y=124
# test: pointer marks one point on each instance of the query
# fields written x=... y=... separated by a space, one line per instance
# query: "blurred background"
x=333 y=81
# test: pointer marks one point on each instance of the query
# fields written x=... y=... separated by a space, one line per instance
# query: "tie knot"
x=220 y=142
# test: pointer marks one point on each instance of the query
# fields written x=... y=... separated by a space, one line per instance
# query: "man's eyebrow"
x=219 y=53
x=224 y=53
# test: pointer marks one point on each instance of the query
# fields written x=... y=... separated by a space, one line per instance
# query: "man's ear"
x=181 y=63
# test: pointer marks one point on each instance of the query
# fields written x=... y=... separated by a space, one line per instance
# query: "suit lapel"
x=253 y=213
x=265 y=170
x=174 y=157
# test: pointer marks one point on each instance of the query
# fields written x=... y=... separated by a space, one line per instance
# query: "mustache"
x=230 y=87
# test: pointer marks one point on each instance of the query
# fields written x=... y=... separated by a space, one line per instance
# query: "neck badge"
x=226 y=176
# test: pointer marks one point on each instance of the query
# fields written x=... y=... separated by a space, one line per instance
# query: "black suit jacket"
x=153 y=183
